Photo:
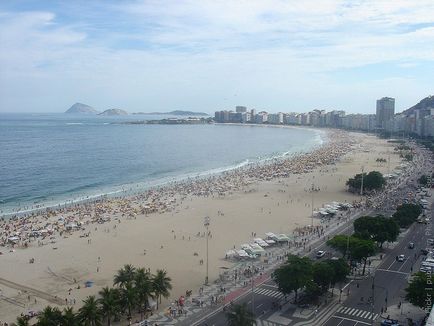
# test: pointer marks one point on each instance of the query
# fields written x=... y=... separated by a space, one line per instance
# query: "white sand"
x=279 y=206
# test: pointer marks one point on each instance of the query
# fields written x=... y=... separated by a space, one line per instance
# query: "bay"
x=47 y=159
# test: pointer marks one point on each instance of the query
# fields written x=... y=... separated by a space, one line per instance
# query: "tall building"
x=385 y=111
x=240 y=109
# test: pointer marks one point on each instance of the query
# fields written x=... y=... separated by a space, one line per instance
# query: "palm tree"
x=50 y=317
x=161 y=284
x=125 y=275
x=69 y=318
x=109 y=303
x=144 y=289
x=22 y=321
x=240 y=315
x=128 y=298
x=90 y=314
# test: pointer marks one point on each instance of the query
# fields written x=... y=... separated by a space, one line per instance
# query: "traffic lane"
x=262 y=306
x=343 y=321
x=386 y=284
x=415 y=235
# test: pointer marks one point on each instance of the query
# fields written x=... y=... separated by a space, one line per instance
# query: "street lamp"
x=206 y=224
x=312 y=190
x=253 y=292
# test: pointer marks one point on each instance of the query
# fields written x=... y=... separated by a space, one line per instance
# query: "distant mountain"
x=114 y=112
x=81 y=109
x=177 y=112
x=427 y=102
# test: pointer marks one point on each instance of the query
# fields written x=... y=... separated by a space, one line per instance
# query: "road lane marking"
x=353 y=320
x=391 y=271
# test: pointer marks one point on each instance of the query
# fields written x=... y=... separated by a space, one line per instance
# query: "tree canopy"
x=293 y=275
x=377 y=228
x=358 y=249
x=313 y=277
x=371 y=181
x=133 y=289
x=420 y=289
x=407 y=214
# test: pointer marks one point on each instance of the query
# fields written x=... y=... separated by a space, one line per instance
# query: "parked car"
x=320 y=254
x=390 y=322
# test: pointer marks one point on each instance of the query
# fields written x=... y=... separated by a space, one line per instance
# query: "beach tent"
x=247 y=248
x=257 y=249
x=261 y=242
x=242 y=254
x=283 y=238
x=271 y=235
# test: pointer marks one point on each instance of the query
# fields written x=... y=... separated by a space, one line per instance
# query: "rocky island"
x=112 y=112
x=80 y=108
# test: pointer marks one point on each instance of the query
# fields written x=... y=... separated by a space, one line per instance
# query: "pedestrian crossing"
x=354 y=312
x=270 y=293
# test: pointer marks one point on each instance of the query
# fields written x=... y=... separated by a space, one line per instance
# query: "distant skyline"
x=213 y=55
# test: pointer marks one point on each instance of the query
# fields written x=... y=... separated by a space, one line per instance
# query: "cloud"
x=204 y=52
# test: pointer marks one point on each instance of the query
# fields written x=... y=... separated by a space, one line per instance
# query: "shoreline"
x=134 y=189
x=261 y=199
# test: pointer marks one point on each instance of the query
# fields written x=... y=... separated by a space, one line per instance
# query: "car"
x=401 y=258
x=411 y=245
x=390 y=322
x=320 y=254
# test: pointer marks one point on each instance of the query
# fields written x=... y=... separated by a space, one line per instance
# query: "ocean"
x=51 y=159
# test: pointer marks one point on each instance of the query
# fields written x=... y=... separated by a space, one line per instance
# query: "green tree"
x=293 y=275
x=128 y=298
x=109 y=303
x=407 y=214
x=377 y=228
x=69 y=318
x=341 y=243
x=340 y=270
x=240 y=315
x=358 y=249
x=90 y=313
x=371 y=181
x=50 y=317
x=124 y=276
x=143 y=289
x=161 y=284
x=323 y=275
x=312 y=291
x=420 y=289
x=22 y=321
x=361 y=249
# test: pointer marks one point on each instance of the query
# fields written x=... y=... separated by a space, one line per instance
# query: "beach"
x=164 y=228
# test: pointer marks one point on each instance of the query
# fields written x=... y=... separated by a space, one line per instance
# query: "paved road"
x=389 y=281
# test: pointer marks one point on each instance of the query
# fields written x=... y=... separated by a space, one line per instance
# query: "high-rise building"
x=385 y=111
x=240 y=109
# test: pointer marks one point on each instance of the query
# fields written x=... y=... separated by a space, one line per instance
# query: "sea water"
x=49 y=159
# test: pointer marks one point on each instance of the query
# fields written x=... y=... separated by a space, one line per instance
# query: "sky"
x=289 y=56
